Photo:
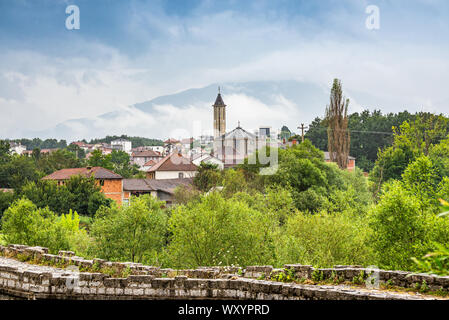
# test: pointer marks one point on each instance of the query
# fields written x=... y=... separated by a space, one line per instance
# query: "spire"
x=219 y=101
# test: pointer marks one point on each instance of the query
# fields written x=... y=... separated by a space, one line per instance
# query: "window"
x=181 y=175
x=101 y=182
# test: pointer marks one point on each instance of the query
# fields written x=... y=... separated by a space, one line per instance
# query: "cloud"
x=159 y=51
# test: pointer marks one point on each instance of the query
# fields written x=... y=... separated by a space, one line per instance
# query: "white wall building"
x=172 y=166
x=122 y=144
x=207 y=158
x=16 y=148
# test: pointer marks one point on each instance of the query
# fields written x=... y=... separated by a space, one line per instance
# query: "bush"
x=79 y=194
x=24 y=223
x=219 y=231
x=401 y=228
x=6 y=199
x=132 y=233
x=324 y=240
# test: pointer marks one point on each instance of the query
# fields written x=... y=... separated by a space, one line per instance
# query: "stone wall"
x=146 y=282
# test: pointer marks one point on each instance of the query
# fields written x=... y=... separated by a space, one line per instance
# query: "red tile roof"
x=174 y=162
x=147 y=185
x=146 y=153
x=171 y=141
x=150 y=163
x=97 y=172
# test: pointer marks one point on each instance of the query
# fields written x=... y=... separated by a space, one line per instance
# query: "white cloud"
x=39 y=91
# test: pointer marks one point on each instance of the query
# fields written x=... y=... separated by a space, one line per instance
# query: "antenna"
x=218 y=89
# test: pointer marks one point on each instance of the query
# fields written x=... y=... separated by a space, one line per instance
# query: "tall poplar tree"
x=337 y=130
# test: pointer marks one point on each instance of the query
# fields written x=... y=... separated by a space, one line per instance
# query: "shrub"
x=324 y=239
x=133 y=233
x=219 y=231
x=400 y=228
x=24 y=223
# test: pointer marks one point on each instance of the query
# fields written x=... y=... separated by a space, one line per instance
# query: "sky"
x=126 y=52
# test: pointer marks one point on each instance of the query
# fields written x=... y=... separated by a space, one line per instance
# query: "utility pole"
x=302 y=128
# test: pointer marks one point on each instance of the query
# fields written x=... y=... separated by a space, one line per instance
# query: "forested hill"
x=136 y=141
x=369 y=132
x=32 y=144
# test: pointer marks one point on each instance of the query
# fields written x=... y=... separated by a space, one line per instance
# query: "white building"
x=207 y=158
x=234 y=146
x=172 y=166
x=142 y=157
x=16 y=148
x=122 y=145
x=159 y=149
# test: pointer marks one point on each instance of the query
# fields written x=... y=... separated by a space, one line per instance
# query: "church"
x=234 y=146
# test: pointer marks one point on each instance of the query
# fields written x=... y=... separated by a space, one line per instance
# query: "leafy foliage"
x=24 y=223
x=325 y=239
x=135 y=141
x=132 y=233
x=219 y=231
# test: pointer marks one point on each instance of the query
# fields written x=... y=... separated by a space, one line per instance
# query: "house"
x=122 y=145
x=159 y=149
x=41 y=151
x=207 y=158
x=172 y=145
x=142 y=157
x=172 y=166
x=16 y=148
x=148 y=165
x=111 y=183
x=187 y=143
x=351 y=161
x=161 y=189
x=85 y=146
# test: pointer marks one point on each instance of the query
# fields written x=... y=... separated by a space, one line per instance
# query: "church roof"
x=239 y=133
x=219 y=101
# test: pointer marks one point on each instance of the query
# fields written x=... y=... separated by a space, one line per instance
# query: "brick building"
x=111 y=183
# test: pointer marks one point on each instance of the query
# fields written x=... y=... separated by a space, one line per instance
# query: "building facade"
x=111 y=183
x=172 y=166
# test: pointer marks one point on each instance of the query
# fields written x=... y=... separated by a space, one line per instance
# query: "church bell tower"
x=219 y=116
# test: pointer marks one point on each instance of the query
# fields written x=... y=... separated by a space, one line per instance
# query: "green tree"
x=57 y=160
x=130 y=233
x=324 y=240
x=338 y=135
x=400 y=230
x=207 y=177
x=219 y=231
x=18 y=171
x=4 y=151
x=422 y=181
x=6 y=199
x=87 y=197
x=24 y=223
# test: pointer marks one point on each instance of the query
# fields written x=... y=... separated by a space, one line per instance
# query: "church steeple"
x=219 y=116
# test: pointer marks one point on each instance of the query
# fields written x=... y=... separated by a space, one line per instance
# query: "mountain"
x=189 y=113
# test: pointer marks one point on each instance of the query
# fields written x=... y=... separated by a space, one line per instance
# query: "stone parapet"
x=147 y=282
